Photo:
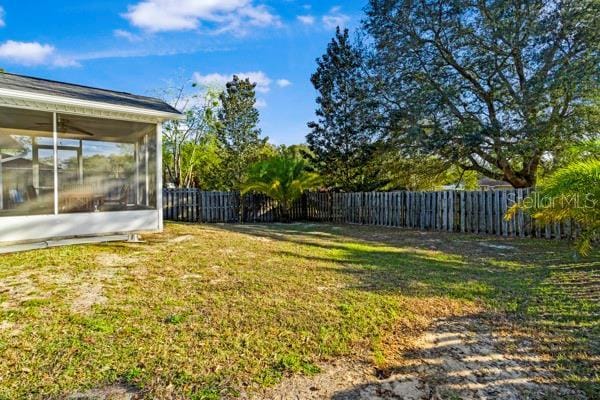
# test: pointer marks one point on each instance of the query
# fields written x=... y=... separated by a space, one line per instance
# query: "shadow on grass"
x=460 y=358
x=545 y=292
x=419 y=265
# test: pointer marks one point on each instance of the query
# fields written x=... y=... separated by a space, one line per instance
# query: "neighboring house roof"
x=23 y=162
x=493 y=183
x=79 y=92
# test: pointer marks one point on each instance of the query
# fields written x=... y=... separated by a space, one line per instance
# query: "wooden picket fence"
x=479 y=212
x=194 y=205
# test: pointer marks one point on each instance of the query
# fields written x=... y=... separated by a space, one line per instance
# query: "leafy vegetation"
x=428 y=94
x=238 y=130
x=493 y=86
x=216 y=142
x=422 y=173
x=571 y=193
x=284 y=178
x=342 y=139
x=573 y=152
x=189 y=144
x=236 y=308
x=498 y=87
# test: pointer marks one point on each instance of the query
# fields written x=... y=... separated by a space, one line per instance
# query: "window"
x=105 y=165
x=102 y=165
x=26 y=165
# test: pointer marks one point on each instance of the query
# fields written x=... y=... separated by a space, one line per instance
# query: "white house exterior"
x=77 y=161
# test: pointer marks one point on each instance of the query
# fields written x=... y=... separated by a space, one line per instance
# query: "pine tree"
x=238 y=131
x=342 y=139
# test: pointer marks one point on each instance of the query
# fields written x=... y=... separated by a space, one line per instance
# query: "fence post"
x=488 y=209
x=451 y=198
x=330 y=202
x=304 y=206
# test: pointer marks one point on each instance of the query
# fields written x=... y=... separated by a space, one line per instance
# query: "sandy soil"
x=456 y=359
x=113 y=392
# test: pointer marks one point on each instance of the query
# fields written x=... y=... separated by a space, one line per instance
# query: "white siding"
x=44 y=227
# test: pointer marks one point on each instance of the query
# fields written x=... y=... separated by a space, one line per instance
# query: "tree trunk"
x=284 y=211
x=520 y=179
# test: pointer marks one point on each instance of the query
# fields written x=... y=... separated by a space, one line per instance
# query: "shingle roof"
x=55 y=88
x=492 y=182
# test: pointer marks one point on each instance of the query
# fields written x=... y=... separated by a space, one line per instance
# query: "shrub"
x=570 y=193
x=282 y=177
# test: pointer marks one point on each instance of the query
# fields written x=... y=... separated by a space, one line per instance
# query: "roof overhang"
x=67 y=105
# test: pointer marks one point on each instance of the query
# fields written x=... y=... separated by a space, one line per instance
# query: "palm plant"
x=570 y=193
x=283 y=178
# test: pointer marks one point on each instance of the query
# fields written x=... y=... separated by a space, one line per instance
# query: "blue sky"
x=142 y=46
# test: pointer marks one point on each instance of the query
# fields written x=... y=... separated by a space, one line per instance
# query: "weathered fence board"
x=478 y=212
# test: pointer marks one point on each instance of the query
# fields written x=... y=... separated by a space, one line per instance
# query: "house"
x=493 y=184
x=77 y=161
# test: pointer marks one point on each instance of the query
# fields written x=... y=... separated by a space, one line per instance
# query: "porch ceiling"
x=15 y=121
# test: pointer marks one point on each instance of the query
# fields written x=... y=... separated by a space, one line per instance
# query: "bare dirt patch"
x=460 y=358
x=191 y=277
x=260 y=239
x=113 y=392
x=229 y=252
x=334 y=377
x=497 y=246
x=115 y=260
x=10 y=327
x=181 y=239
x=89 y=295
x=92 y=292
x=19 y=288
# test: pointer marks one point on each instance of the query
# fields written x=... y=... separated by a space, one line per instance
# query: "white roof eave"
x=46 y=102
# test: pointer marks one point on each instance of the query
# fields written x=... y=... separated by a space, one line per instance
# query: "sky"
x=144 y=46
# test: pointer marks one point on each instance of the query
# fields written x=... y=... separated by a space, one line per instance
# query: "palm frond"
x=571 y=193
x=283 y=178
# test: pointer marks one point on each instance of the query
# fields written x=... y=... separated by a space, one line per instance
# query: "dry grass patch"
x=208 y=312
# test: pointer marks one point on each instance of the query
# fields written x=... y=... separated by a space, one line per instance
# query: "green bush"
x=282 y=177
x=570 y=193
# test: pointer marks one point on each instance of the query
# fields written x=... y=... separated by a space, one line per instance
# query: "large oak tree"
x=492 y=85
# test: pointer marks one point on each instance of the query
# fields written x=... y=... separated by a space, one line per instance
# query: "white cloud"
x=335 y=18
x=26 y=52
x=217 y=15
x=260 y=103
x=306 y=19
x=33 y=53
x=263 y=82
x=211 y=79
x=64 y=62
x=123 y=34
x=283 y=83
x=259 y=16
x=2 y=14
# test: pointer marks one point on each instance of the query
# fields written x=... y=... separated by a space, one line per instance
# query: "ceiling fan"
x=64 y=124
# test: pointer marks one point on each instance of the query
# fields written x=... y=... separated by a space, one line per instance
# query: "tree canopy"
x=492 y=85
x=188 y=144
x=217 y=141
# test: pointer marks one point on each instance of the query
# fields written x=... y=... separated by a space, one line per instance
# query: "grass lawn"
x=207 y=312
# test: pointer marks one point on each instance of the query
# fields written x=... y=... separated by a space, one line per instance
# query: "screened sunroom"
x=77 y=161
